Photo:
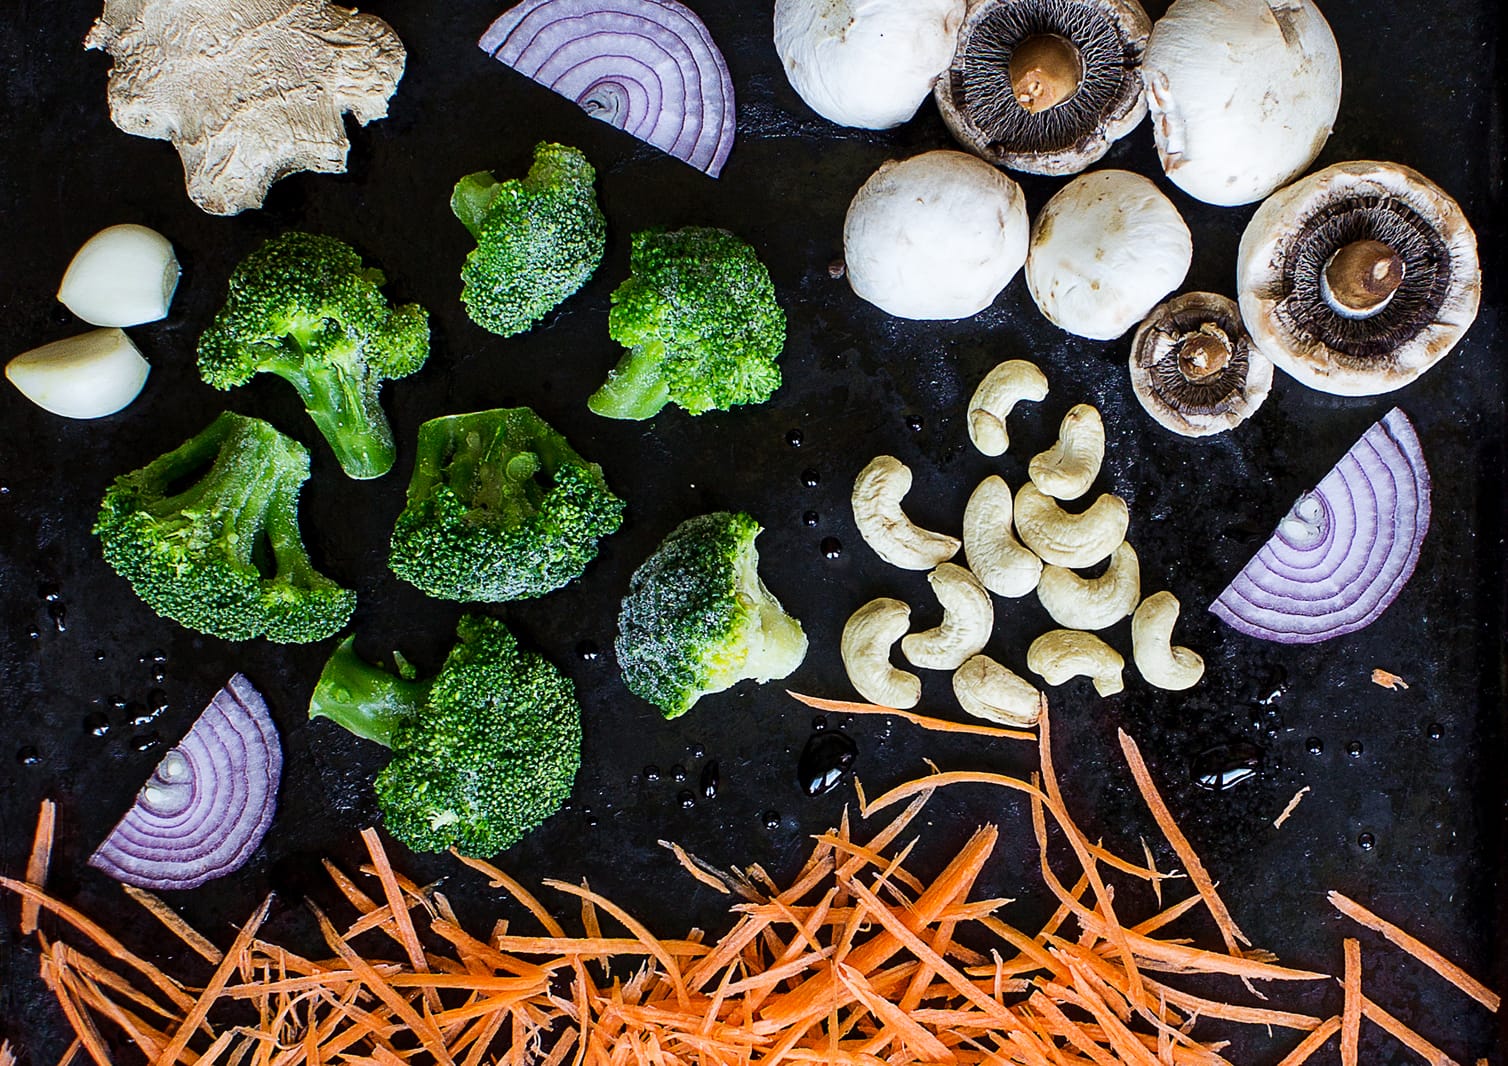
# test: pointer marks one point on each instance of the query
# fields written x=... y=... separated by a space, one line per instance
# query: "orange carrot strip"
x=37 y=863
x=1293 y=804
x=348 y=888
x=402 y=920
x=1070 y=1030
x=937 y=724
x=697 y=868
x=111 y=946
x=1388 y=680
x=1168 y=916
x=673 y=971
x=1405 y=1036
x=159 y=909
x=68 y=1053
x=921 y=1042
x=514 y=889
x=1311 y=1043
x=1350 y=1017
x=1229 y=931
x=138 y=1031
x=1146 y=851
x=7 y=1056
x=83 y=1025
x=1420 y=950
x=110 y=979
x=484 y=1039
x=211 y=994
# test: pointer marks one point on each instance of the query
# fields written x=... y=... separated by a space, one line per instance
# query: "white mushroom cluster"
x=1013 y=545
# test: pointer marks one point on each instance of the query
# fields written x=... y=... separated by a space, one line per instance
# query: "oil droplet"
x=914 y=423
x=771 y=819
x=678 y=772
x=1227 y=765
x=99 y=655
x=651 y=773
x=811 y=478
x=825 y=761
x=810 y=519
x=1316 y=746
x=795 y=438
x=587 y=651
x=832 y=548
x=698 y=751
x=685 y=798
x=97 y=724
x=145 y=742
x=710 y=781
x=1366 y=841
x=1436 y=730
x=819 y=723
x=28 y=756
x=1354 y=749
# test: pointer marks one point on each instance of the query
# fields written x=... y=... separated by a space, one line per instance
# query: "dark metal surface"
x=1421 y=88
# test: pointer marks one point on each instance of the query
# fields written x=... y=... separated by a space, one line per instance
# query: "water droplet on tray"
x=825 y=761
x=810 y=519
x=811 y=478
x=28 y=756
x=795 y=438
x=711 y=780
x=1354 y=749
x=832 y=548
x=97 y=724
x=771 y=819
x=1316 y=746
x=1366 y=841
x=588 y=651
x=1226 y=766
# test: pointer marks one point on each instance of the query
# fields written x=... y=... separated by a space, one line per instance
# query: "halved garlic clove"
x=88 y=376
x=123 y=276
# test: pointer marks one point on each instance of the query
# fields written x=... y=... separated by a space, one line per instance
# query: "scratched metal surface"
x=1422 y=88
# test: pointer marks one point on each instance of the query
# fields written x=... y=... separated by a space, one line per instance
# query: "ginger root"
x=247 y=92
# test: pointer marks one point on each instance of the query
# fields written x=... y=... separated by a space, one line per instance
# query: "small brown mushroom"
x=1194 y=368
x=1358 y=278
x=1045 y=86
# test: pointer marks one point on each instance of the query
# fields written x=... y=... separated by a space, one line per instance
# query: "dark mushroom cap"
x=979 y=104
x=1288 y=303
x=1194 y=367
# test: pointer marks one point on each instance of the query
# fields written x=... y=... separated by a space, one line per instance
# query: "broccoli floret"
x=223 y=555
x=500 y=508
x=538 y=240
x=697 y=618
x=482 y=753
x=699 y=317
x=304 y=308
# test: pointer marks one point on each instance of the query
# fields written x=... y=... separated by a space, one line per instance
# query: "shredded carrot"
x=1417 y=948
x=1311 y=1043
x=1350 y=1017
x=1293 y=804
x=696 y=868
x=1404 y=1035
x=1388 y=680
x=7 y=1056
x=938 y=725
x=228 y=965
x=175 y=923
x=402 y=921
x=36 y=865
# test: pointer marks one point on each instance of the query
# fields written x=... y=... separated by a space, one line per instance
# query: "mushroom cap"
x=1291 y=238
x=1111 y=36
x=936 y=236
x=865 y=63
x=1104 y=250
x=1221 y=402
x=1243 y=94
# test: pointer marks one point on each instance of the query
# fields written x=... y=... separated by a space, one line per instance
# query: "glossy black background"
x=1422 y=87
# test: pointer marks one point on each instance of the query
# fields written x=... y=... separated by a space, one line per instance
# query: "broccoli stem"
x=636 y=389
x=365 y=699
x=347 y=413
x=472 y=197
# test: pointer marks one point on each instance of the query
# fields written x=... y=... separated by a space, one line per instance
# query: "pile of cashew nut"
x=1013 y=545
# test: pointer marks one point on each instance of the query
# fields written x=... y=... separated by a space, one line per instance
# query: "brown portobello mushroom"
x=1045 y=86
x=1358 y=278
x=1194 y=367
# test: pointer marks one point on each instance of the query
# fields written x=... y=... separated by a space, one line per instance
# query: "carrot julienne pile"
x=855 y=961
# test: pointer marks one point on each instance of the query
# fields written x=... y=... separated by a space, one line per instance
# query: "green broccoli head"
x=500 y=508
x=223 y=555
x=697 y=618
x=538 y=240
x=699 y=317
x=482 y=753
x=303 y=307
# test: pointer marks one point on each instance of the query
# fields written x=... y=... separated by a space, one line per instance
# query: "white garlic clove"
x=123 y=276
x=88 y=376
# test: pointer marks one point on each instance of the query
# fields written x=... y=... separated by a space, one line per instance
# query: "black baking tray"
x=1422 y=87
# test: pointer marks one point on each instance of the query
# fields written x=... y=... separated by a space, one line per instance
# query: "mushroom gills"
x=1202 y=368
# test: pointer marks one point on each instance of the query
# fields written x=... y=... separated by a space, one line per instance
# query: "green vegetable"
x=500 y=508
x=538 y=240
x=304 y=308
x=482 y=753
x=208 y=535
x=699 y=317
x=697 y=618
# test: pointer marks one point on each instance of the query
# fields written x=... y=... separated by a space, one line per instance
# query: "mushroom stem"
x=1204 y=352
x=1046 y=70
x=1361 y=278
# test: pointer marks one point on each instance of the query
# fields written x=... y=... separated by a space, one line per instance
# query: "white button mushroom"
x=1243 y=94
x=1104 y=251
x=123 y=276
x=866 y=63
x=935 y=237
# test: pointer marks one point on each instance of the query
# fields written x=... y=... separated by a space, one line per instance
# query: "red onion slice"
x=209 y=802
x=648 y=67
x=1344 y=551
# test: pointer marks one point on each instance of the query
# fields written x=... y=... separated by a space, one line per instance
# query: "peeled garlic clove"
x=88 y=376
x=123 y=276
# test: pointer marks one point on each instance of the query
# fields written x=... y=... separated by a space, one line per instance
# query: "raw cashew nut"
x=877 y=495
x=1151 y=645
x=1061 y=654
x=1069 y=467
x=1093 y=603
x=867 y=639
x=997 y=558
x=1071 y=540
x=1002 y=388
x=988 y=690
x=968 y=619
